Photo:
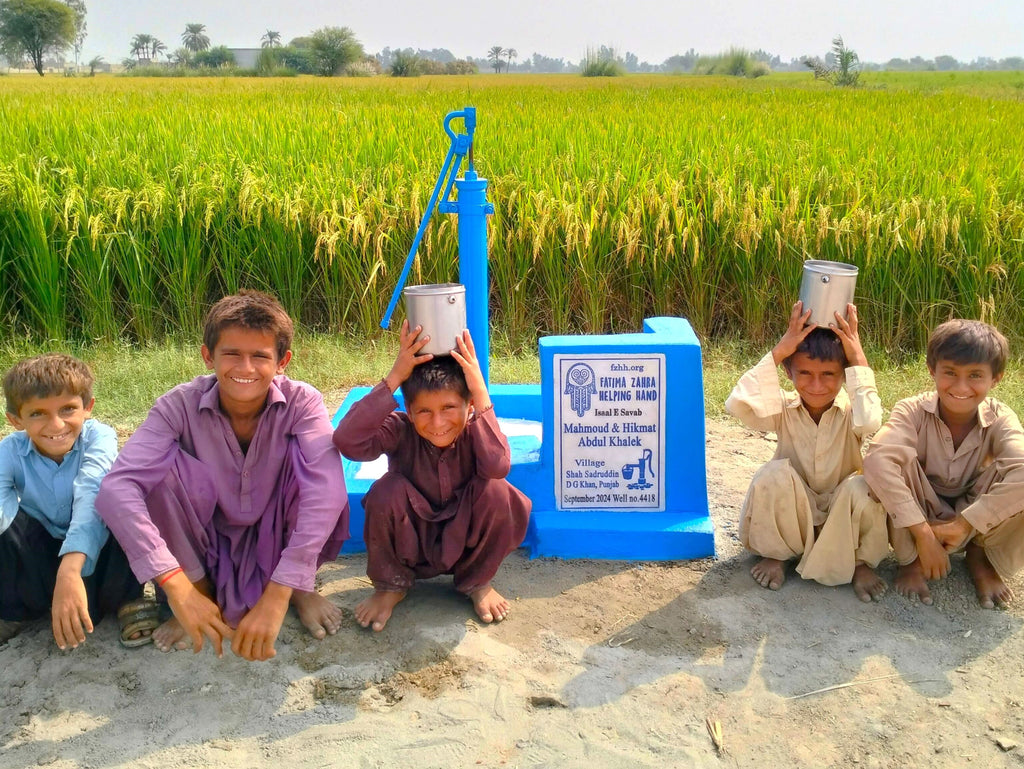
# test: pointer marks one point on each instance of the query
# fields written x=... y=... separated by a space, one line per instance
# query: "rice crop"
x=128 y=205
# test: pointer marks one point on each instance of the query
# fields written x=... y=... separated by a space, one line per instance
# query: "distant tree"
x=334 y=48
x=1012 y=62
x=540 y=63
x=94 y=64
x=460 y=67
x=682 y=62
x=156 y=47
x=601 y=63
x=271 y=39
x=298 y=56
x=194 y=38
x=494 y=56
x=78 y=8
x=182 y=57
x=946 y=63
x=841 y=65
x=512 y=55
x=35 y=28
x=214 y=58
x=140 y=46
x=847 y=63
x=405 y=64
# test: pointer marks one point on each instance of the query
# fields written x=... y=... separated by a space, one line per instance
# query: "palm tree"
x=156 y=47
x=140 y=46
x=271 y=39
x=194 y=39
x=512 y=54
x=94 y=64
x=494 y=57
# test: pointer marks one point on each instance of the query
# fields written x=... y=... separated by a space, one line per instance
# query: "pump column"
x=472 y=208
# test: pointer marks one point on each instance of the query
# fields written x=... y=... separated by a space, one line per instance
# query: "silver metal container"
x=441 y=309
x=826 y=288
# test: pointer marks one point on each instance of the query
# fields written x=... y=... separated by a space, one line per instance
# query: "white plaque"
x=609 y=432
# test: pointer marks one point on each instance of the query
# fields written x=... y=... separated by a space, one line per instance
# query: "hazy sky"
x=652 y=29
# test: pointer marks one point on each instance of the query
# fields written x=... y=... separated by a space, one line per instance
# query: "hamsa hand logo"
x=580 y=385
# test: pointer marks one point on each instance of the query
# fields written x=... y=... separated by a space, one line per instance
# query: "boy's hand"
x=69 y=611
x=846 y=330
x=256 y=633
x=465 y=354
x=796 y=332
x=953 y=535
x=408 y=357
x=197 y=614
x=933 y=556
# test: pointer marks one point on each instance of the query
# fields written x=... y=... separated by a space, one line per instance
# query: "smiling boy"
x=809 y=502
x=948 y=467
x=230 y=494
x=56 y=556
x=444 y=506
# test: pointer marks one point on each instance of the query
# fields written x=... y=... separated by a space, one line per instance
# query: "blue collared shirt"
x=60 y=496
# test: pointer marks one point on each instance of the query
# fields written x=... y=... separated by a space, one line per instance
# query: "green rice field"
x=127 y=205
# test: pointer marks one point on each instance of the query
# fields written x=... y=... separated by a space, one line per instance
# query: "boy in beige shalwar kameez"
x=810 y=501
x=948 y=467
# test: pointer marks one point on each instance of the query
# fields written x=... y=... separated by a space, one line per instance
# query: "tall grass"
x=127 y=206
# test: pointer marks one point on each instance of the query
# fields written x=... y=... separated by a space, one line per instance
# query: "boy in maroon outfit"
x=444 y=506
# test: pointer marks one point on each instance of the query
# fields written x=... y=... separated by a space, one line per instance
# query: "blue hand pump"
x=472 y=209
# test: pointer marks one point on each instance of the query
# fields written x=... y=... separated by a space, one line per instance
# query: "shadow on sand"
x=800 y=639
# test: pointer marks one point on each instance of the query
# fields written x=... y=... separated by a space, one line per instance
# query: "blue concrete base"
x=619 y=536
x=683 y=530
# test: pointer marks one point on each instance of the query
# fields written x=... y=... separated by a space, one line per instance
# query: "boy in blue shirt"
x=56 y=555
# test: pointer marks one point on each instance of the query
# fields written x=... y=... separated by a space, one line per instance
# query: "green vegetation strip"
x=128 y=205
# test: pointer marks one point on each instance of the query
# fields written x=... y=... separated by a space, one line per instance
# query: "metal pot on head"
x=441 y=309
x=826 y=288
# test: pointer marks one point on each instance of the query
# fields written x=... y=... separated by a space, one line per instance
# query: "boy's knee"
x=776 y=468
x=388 y=494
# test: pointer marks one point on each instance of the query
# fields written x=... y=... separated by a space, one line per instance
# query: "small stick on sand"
x=858 y=683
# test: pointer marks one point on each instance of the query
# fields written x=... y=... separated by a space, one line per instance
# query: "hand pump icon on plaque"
x=643 y=466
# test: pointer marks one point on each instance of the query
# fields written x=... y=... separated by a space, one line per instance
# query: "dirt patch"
x=600 y=664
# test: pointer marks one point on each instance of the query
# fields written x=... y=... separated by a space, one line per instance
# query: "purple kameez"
x=436 y=511
x=183 y=493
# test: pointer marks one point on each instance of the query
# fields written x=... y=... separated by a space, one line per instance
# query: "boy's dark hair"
x=968 y=341
x=44 y=376
x=252 y=310
x=441 y=373
x=821 y=344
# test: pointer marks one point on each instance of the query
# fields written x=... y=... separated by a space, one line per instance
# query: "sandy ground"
x=601 y=664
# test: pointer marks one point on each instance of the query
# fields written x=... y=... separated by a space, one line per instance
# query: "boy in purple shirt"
x=230 y=494
x=56 y=556
x=444 y=506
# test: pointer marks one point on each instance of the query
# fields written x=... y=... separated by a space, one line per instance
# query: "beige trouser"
x=1003 y=543
x=777 y=521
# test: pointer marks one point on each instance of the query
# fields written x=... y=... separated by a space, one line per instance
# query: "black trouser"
x=28 y=573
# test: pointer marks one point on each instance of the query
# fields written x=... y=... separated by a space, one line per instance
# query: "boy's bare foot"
x=376 y=610
x=320 y=616
x=866 y=584
x=989 y=586
x=489 y=604
x=769 y=573
x=171 y=635
x=910 y=582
